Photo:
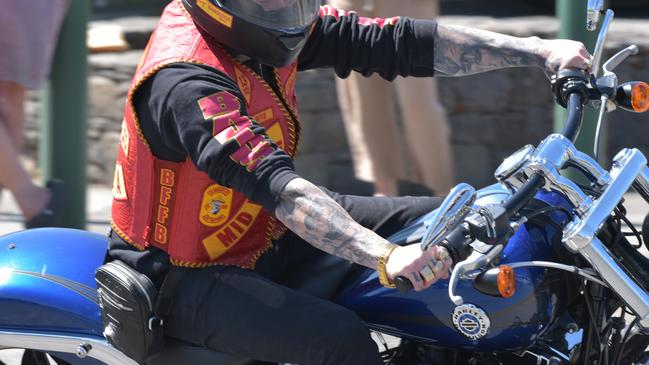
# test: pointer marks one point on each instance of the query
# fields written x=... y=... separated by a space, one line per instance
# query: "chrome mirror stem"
x=594 y=13
x=601 y=39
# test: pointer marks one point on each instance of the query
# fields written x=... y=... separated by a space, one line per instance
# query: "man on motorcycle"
x=205 y=179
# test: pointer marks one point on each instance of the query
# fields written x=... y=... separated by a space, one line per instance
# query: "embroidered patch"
x=216 y=13
x=264 y=116
x=222 y=240
x=218 y=104
x=119 y=188
x=244 y=84
x=226 y=127
x=124 y=138
x=167 y=182
x=250 y=154
x=253 y=147
x=216 y=205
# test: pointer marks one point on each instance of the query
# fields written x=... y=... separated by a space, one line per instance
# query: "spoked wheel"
x=636 y=351
x=34 y=357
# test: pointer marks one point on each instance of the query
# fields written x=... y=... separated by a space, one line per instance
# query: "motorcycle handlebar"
x=575 y=107
x=570 y=91
x=456 y=245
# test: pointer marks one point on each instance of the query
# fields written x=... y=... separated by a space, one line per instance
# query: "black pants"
x=250 y=313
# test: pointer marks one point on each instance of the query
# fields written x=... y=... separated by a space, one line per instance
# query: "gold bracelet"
x=380 y=268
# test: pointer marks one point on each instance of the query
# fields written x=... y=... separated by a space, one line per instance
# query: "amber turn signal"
x=640 y=97
x=506 y=281
x=633 y=96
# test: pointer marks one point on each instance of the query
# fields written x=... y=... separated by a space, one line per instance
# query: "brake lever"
x=468 y=265
x=455 y=207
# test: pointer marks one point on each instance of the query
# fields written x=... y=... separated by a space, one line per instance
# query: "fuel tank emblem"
x=471 y=321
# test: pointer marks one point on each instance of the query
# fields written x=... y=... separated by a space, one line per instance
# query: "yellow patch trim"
x=216 y=13
x=222 y=240
x=275 y=133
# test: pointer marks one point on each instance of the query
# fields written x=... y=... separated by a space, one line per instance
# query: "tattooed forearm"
x=319 y=220
x=463 y=51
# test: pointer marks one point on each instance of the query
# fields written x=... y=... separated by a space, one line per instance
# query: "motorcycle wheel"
x=636 y=350
x=33 y=357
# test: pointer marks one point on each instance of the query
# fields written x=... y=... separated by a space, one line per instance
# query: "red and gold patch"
x=218 y=104
x=222 y=240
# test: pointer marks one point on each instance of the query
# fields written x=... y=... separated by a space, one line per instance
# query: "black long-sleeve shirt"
x=176 y=129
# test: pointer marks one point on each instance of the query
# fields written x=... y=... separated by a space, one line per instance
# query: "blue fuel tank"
x=47 y=280
x=513 y=323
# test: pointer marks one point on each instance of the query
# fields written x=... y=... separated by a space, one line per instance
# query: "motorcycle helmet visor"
x=274 y=14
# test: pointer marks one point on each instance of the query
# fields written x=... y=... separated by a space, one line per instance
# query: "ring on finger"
x=427 y=273
x=437 y=267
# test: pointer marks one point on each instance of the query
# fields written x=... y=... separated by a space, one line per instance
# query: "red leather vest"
x=175 y=207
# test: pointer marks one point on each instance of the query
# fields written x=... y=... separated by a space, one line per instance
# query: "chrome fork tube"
x=641 y=184
x=634 y=296
x=629 y=168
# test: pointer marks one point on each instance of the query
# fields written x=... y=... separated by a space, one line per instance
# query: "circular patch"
x=471 y=321
x=216 y=205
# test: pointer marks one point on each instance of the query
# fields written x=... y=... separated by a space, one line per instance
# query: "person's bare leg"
x=426 y=128
x=368 y=120
x=30 y=198
x=427 y=132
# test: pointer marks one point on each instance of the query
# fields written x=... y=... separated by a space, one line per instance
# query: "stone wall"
x=491 y=114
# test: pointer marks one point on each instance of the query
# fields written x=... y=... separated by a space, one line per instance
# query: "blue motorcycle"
x=544 y=272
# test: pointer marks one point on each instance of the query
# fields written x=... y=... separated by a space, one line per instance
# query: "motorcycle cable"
x=634 y=232
x=592 y=326
x=548 y=209
x=625 y=339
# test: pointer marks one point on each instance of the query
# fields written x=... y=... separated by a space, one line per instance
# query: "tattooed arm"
x=319 y=220
x=463 y=51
